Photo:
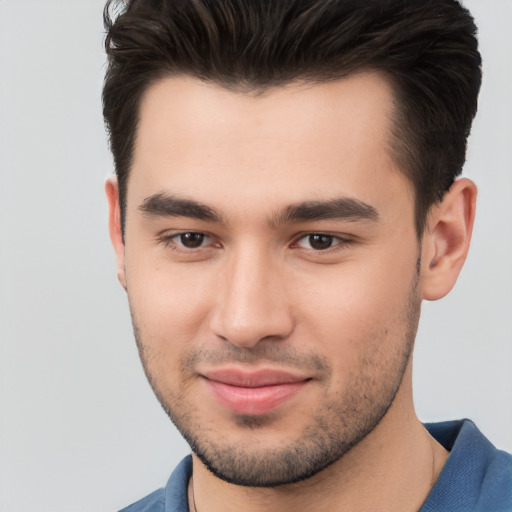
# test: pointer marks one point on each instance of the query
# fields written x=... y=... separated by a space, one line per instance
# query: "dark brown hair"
x=426 y=48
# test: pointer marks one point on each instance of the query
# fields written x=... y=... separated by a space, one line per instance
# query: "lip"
x=253 y=393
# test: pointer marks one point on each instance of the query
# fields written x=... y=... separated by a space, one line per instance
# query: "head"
x=285 y=198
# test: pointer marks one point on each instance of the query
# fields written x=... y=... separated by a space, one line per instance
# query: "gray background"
x=79 y=427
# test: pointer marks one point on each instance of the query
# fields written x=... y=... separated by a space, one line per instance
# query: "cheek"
x=168 y=312
x=168 y=303
x=359 y=310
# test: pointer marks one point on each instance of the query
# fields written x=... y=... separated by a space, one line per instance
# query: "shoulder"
x=154 y=502
x=497 y=483
x=172 y=498
x=476 y=477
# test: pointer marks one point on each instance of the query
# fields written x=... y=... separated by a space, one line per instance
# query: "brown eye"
x=320 y=242
x=192 y=240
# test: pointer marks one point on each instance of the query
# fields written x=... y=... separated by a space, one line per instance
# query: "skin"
x=256 y=294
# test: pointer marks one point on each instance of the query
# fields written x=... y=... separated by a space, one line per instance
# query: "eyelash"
x=337 y=242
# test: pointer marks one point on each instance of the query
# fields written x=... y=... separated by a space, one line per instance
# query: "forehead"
x=200 y=139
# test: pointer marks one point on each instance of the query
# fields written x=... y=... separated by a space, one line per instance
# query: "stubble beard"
x=340 y=422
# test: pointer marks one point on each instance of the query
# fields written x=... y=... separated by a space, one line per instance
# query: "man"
x=286 y=197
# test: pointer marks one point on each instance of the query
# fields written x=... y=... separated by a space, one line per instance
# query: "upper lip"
x=252 y=379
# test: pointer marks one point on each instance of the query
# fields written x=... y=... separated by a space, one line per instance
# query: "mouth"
x=253 y=393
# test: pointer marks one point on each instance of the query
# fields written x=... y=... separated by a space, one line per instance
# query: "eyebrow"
x=344 y=208
x=163 y=205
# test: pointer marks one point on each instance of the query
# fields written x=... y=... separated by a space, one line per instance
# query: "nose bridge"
x=252 y=302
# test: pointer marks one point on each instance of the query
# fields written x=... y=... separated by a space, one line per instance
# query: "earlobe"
x=115 y=227
x=447 y=238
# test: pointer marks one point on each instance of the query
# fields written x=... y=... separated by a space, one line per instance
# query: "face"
x=270 y=262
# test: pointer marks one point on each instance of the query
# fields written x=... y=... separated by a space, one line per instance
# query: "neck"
x=392 y=468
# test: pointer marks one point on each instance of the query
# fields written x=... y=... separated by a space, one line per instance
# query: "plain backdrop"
x=80 y=429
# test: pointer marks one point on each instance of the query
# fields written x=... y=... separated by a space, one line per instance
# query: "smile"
x=253 y=393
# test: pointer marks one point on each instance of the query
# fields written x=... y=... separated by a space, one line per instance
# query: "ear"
x=446 y=240
x=115 y=228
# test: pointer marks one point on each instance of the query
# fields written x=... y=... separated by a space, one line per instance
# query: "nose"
x=251 y=305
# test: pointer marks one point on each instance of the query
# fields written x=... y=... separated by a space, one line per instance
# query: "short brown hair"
x=426 y=48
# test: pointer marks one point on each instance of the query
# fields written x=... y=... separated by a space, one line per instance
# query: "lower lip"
x=254 y=401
